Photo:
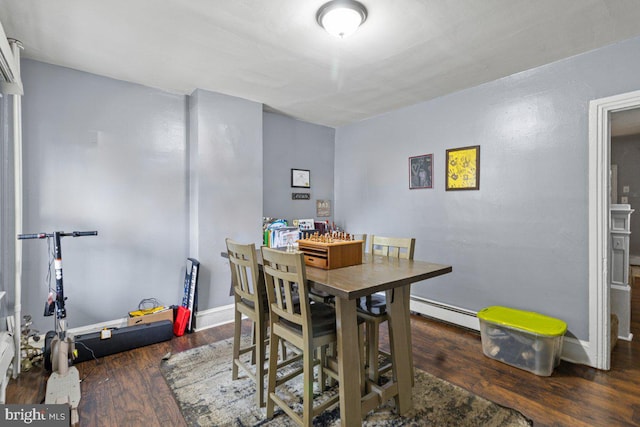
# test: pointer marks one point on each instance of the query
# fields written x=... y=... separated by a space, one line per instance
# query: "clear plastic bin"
x=524 y=339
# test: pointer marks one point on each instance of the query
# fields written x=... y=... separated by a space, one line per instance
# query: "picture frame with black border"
x=300 y=178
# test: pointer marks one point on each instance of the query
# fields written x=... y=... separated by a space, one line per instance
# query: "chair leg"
x=254 y=342
x=236 y=344
x=373 y=341
x=260 y=348
x=273 y=367
x=331 y=352
x=307 y=392
x=363 y=359
x=322 y=357
x=284 y=350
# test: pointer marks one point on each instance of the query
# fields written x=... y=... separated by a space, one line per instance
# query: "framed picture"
x=463 y=168
x=323 y=208
x=421 y=171
x=300 y=178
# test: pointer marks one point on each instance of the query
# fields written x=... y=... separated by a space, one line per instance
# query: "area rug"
x=200 y=380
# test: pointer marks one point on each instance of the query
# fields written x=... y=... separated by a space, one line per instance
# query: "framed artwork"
x=300 y=178
x=463 y=168
x=421 y=171
x=323 y=208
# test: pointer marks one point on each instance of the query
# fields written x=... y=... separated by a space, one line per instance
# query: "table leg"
x=407 y=302
x=400 y=343
x=348 y=363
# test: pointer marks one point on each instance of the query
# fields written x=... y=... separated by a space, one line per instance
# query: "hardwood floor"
x=127 y=389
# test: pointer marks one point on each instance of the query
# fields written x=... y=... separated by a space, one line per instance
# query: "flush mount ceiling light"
x=341 y=17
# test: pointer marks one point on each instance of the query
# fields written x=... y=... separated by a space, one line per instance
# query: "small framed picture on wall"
x=300 y=178
x=421 y=171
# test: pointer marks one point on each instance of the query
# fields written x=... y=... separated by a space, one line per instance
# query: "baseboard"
x=445 y=312
x=573 y=350
x=626 y=337
x=214 y=317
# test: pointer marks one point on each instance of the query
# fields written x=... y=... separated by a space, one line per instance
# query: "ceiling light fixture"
x=341 y=18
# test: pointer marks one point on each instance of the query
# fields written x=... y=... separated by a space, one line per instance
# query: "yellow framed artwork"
x=463 y=168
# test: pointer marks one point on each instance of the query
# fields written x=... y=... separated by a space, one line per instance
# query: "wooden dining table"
x=393 y=276
x=376 y=274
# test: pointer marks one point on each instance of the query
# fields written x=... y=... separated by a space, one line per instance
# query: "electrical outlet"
x=625 y=189
x=624 y=200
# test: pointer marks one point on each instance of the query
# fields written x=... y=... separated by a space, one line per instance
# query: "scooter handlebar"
x=84 y=233
x=43 y=235
x=32 y=236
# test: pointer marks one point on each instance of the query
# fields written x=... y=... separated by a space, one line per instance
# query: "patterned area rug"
x=200 y=380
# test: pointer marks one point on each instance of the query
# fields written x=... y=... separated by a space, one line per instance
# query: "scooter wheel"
x=47 y=350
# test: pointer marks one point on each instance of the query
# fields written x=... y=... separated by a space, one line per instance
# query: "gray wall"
x=225 y=151
x=522 y=239
x=290 y=143
x=625 y=152
x=163 y=176
x=160 y=176
x=106 y=155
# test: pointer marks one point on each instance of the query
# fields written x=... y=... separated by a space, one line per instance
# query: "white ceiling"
x=274 y=52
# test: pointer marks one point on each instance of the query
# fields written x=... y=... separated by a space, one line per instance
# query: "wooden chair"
x=373 y=308
x=305 y=325
x=250 y=300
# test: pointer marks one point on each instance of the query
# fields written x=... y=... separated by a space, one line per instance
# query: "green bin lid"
x=525 y=320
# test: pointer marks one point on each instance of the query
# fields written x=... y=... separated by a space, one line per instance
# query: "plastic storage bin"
x=523 y=339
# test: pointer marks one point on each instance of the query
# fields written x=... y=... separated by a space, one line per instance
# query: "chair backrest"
x=286 y=283
x=395 y=247
x=245 y=275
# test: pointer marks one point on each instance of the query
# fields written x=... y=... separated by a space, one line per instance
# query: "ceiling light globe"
x=341 y=18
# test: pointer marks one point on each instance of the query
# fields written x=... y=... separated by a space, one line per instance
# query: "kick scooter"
x=63 y=385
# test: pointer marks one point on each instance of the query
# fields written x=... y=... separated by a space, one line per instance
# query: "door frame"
x=599 y=163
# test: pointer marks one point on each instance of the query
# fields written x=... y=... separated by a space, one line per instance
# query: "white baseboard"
x=626 y=337
x=573 y=350
x=445 y=312
x=214 y=317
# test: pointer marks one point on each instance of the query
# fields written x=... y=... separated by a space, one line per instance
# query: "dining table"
x=376 y=273
x=393 y=276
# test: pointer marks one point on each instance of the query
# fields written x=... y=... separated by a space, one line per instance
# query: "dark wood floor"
x=127 y=389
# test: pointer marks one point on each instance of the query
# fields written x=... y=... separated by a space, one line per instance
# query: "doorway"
x=625 y=155
x=625 y=222
x=600 y=115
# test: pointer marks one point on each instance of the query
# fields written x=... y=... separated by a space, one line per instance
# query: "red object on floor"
x=182 y=318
